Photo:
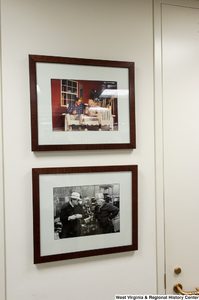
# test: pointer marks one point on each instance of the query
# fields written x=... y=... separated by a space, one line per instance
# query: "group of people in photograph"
x=86 y=113
x=79 y=218
x=83 y=112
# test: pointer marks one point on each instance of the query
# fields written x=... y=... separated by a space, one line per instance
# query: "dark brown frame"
x=33 y=59
x=36 y=212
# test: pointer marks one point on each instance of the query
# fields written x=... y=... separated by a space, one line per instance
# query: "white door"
x=2 y=245
x=179 y=124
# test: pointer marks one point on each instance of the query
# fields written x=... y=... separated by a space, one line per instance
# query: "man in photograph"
x=71 y=215
x=75 y=110
x=104 y=213
x=91 y=113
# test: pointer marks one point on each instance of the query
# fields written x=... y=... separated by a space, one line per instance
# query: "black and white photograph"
x=86 y=210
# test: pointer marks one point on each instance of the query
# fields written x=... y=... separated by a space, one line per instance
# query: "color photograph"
x=81 y=105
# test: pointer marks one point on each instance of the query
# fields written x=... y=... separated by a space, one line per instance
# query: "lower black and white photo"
x=86 y=210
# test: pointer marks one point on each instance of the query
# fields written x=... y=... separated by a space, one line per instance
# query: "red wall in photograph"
x=87 y=87
x=57 y=109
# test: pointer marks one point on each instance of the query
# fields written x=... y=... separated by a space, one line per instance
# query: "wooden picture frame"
x=108 y=122
x=53 y=197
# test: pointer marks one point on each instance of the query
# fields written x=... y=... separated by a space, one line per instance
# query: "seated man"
x=91 y=113
x=75 y=110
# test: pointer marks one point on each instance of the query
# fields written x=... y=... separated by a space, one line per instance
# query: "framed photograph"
x=81 y=104
x=84 y=211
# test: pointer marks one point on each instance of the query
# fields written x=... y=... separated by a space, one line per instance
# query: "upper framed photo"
x=81 y=104
x=84 y=211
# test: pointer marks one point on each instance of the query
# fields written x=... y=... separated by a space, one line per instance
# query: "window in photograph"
x=68 y=91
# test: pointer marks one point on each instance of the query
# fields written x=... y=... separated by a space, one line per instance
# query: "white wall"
x=112 y=30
